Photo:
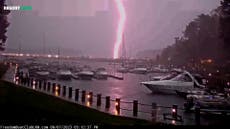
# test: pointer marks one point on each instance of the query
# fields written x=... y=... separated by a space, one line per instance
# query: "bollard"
x=70 y=92
x=154 y=112
x=64 y=91
x=76 y=94
x=98 y=100
x=53 y=88
x=44 y=85
x=31 y=82
x=40 y=85
x=107 y=102
x=48 y=86
x=174 y=111
x=117 y=104
x=135 y=107
x=83 y=96
x=36 y=84
x=197 y=115
x=90 y=97
x=28 y=82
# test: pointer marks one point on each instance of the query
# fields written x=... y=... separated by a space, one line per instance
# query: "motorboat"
x=64 y=75
x=42 y=74
x=211 y=103
x=101 y=74
x=85 y=75
x=139 y=70
x=192 y=92
x=183 y=82
x=123 y=70
x=168 y=76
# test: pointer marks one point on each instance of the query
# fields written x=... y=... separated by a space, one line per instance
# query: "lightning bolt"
x=120 y=28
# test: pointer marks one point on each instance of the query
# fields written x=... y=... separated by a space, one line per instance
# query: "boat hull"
x=167 y=89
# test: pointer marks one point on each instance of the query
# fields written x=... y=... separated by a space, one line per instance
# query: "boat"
x=139 y=70
x=101 y=75
x=42 y=74
x=168 y=76
x=183 y=82
x=209 y=103
x=191 y=92
x=123 y=70
x=85 y=75
x=64 y=75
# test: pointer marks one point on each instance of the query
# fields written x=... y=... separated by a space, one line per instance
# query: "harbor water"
x=127 y=90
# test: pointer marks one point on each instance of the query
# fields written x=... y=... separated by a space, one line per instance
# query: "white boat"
x=139 y=70
x=64 y=75
x=172 y=74
x=43 y=74
x=123 y=70
x=85 y=75
x=101 y=75
x=182 y=82
x=213 y=102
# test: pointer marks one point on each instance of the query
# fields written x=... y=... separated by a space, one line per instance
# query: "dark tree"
x=225 y=26
x=3 y=25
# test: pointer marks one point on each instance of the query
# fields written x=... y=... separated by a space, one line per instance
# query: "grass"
x=21 y=106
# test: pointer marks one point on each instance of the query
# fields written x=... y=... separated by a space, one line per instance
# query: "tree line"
x=3 y=25
x=206 y=37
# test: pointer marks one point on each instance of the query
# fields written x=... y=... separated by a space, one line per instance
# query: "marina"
x=127 y=91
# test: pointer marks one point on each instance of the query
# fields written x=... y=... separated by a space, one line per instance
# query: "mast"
x=44 y=43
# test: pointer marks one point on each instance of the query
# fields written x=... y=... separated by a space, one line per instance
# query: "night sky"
x=89 y=26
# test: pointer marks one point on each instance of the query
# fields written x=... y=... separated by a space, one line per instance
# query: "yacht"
x=43 y=74
x=101 y=74
x=123 y=70
x=183 y=82
x=139 y=70
x=85 y=75
x=64 y=75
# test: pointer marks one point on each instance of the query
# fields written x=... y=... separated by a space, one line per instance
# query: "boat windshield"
x=200 y=80
x=182 y=77
x=170 y=76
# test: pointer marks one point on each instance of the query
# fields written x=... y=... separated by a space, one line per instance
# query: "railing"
x=107 y=104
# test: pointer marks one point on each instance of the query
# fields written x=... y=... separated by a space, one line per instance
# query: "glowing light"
x=120 y=29
x=88 y=96
x=116 y=113
x=88 y=104
x=173 y=122
x=210 y=74
x=56 y=93
x=173 y=110
x=228 y=83
x=56 y=88
x=49 y=56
